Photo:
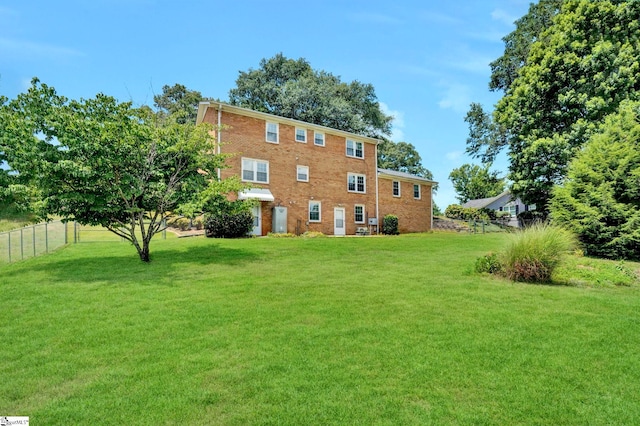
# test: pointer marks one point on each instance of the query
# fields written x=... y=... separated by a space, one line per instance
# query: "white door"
x=257 y=220
x=338 y=221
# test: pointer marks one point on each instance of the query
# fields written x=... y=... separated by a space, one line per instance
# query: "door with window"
x=338 y=221
x=257 y=220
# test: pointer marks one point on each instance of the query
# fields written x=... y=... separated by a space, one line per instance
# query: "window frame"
x=355 y=213
x=399 y=188
x=304 y=132
x=356 y=176
x=298 y=168
x=354 y=148
x=254 y=169
x=319 y=203
x=277 y=131
x=315 y=138
x=418 y=186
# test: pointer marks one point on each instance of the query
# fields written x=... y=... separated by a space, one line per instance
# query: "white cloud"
x=454 y=155
x=397 y=125
x=456 y=97
x=502 y=16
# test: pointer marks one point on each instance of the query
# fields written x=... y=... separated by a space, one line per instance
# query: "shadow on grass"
x=127 y=267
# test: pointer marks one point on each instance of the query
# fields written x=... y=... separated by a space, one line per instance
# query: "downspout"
x=219 y=135
x=377 y=212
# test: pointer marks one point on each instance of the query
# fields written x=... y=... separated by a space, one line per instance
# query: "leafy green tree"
x=179 y=102
x=100 y=162
x=472 y=182
x=581 y=63
x=600 y=199
x=401 y=157
x=291 y=88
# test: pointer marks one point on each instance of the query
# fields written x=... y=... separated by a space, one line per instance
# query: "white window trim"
x=419 y=197
x=356 y=176
x=298 y=168
x=324 y=141
x=255 y=169
x=319 y=211
x=363 y=214
x=355 y=145
x=399 y=194
x=295 y=136
x=266 y=132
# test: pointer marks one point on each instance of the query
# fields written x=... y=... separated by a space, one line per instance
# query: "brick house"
x=314 y=178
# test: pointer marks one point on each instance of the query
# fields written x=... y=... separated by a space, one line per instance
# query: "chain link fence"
x=35 y=240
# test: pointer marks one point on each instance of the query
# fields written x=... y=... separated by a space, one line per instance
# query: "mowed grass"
x=394 y=330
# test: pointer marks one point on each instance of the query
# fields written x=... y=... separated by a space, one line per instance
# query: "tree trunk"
x=144 y=252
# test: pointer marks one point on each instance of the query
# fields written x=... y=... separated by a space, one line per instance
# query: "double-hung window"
x=302 y=173
x=255 y=170
x=272 y=132
x=318 y=138
x=356 y=183
x=355 y=149
x=416 y=191
x=315 y=211
x=396 y=188
x=301 y=135
x=359 y=213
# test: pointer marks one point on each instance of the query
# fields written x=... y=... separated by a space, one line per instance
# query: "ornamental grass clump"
x=534 y=253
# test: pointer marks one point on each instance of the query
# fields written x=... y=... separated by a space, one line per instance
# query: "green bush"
x=227 y=219
x=182 y=223
x=489 y=263
x=228 y=224
x=390 y=225
x=534 y=252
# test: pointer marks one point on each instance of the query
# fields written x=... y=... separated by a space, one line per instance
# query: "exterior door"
x=257 y=220
x=338 y=221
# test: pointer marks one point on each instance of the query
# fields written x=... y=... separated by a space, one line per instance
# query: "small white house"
x=503 y=203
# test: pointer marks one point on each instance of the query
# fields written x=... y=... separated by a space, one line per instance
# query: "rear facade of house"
x=313 y=178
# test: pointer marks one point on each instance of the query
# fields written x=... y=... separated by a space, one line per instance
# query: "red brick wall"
x=413 y=215
x=328 y=168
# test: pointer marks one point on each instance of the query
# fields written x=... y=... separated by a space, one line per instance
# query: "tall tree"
x=179 y=102
x=291 y=88
x=577 y=70
x=472 y=182
x=600 y=199
x=100 y=162
x=402 y=157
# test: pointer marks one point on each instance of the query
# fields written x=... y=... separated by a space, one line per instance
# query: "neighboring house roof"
x=481 y=203
x=393 y=174
x=202 y=109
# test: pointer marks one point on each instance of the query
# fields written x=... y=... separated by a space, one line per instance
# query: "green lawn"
x=395 y=330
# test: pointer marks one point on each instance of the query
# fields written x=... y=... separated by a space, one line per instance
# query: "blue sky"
x=427 y=60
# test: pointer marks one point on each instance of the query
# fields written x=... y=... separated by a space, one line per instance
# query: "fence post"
x=75 y=232
x=65 y=233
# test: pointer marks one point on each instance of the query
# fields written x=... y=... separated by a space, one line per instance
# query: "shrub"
x=182 y=223
x=390 y=225
x=313 y=234
x=281 y=235
x=454 y=211
x=198 y=223
x=227 y=219
x=533 y=253
x=489 y=263
x=228 y=224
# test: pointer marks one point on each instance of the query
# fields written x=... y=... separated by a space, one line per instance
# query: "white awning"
x=256 y=194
